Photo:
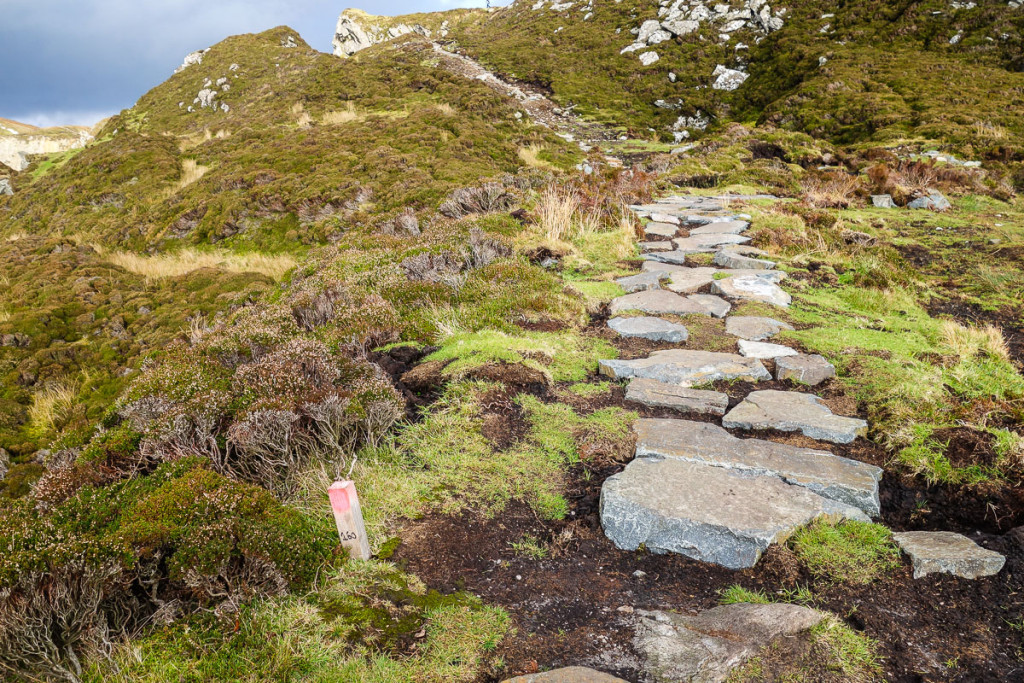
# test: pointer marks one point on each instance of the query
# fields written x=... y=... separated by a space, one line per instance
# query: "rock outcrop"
x=357 y=30
x=15 y=150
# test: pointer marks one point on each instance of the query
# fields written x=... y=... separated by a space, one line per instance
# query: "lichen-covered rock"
x=793 y=411
x=654 y=329
x=752 y=288
x=806 y=369
x=641 y=282
x=764 y=351
x=687 y=368
x=945 y=552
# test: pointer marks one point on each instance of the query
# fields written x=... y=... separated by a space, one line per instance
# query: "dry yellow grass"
x=189 y=260
x=446 y=109
x=52 y=406
x=990 y=131
x=531 y=157
x=968 y=342
x=16 y=236
x=5 y=315
x=834 y=191
x=191 y=172
x=342 y=116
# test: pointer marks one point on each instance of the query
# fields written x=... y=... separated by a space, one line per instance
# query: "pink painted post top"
x=343 y=496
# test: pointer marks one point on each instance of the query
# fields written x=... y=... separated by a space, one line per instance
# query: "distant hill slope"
x=19 y=141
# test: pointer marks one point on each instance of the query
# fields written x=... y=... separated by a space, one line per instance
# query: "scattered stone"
x=752 y=288
x=572 y=674
x=707 y=647
x=666 y=218
x=711 y=514
x=656 y=246
x=668 y=268
x=654 y=329
x=806 y=369
x=859 y=238
x=648 y=58
x=775 y=276
x=721 y=228
x=763 y=350
x=5 y=187
x=830 y=476
x=754 y=328
x=651 y=392
x=687 y=368
x=656 y=301
x=935 y=201
x=793 y=411
x=660 y=230
x=5 y=463
x=883 y=201
x=706 y=243
x=731 y=259
x=715 y=305
x=727 y=79
x=641 y=282
x=944 y=552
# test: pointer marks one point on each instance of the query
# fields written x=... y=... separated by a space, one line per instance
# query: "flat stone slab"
x=661 y=217
x=711 y=514
x=696 y=244
x=763 y=350
x=752 y=289
x=687 y=368
x=793 y=411
x=707 y=647
x=721 y=228
x=571 y=674
x=775 y=276
x=732 y=259
x=656 y=267
x=944 y=552
x=674 y=257
x=658 y=231
x=715 y=305
x=651 y=392
x=806 y=369
x=654 y=329
x=665 y=245
x=754 y=328
x=690 y=280
x=830 y=476
x=657 y=301
x=641 y=282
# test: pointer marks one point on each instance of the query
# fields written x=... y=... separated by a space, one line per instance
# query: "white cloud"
x=48 y=119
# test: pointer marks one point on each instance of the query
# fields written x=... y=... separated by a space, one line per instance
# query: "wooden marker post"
x=349 y=518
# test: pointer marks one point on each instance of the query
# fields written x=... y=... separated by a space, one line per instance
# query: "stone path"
x=694 y=488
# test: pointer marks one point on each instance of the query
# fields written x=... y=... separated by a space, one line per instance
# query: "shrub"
x=486 y=198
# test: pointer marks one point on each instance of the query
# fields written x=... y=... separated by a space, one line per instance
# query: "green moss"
x=851 y=552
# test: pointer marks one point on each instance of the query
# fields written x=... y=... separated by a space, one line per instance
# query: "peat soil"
x=576 y=605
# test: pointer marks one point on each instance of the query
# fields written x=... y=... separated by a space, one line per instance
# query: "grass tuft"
x=851 y=552
x=188 y=260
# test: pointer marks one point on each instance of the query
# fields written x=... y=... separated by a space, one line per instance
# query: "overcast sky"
x=78 y=61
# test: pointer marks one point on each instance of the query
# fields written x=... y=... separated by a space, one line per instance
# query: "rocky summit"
x=555 y=341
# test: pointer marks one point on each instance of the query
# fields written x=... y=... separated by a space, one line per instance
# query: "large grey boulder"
x=5 y=187
x=646 y=327
x=711 y=514
x=641 y=282
x=571 y=674
x=707 y=647
x=934 y=201
x=806 y=369
x=830 y=476
x=793 y=411
x=944 y=552
x=754 y=328
x=687 y=368
x=883 y=201
x=752 y=289
x=764 y=350
x=657 y=301
x=651 y=392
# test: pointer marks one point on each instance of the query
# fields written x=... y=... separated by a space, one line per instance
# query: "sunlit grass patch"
x=531 y=156
x=52 y=406
x=851 y=551
x=188 y=260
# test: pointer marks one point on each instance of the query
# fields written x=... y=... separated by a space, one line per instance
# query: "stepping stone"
x=687 y=368
x=706 y=243
x=762 y=350
x=700 y=219
x=752 y=289
x=721 y=228
x=690 y=280
x=572 y=674
x=944 y=552
x=651 y=392
x=792 y=411
x=829 y=476
x=674 y=257
x=775 y=276
x=732 y=259
x=754 y=328
x=654 y=329
x=641 y=282
x=660 y=231
x=656 y=267
x=656 y=246
x=664 y=218
x=710 y=514
x=715 y=305
x=707 y=647
x=657 y=301
x=806 y=369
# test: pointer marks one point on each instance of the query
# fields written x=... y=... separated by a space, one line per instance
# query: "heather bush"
x=485 y=198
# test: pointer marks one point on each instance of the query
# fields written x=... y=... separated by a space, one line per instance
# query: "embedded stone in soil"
x=830 y=476
x=707 y=647
x=752 y=288
x=715 y=305
x=806 y=369
x=647 y=327
x=686 y=368
x=945 y=552
x=710 y=514
x=674 y=257
x=651 y=392
x=792 y=411
x=640 y=283
x=721 y=228
x=663 y=245
x=571 y=674
x=706 y=243
x=728 y=258
x=657 y=301
x=689 y=280
x=764 y=351
x=658 y=231
x=754 y=328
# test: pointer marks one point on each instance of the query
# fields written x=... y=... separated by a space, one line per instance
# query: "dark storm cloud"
x=75 y=61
